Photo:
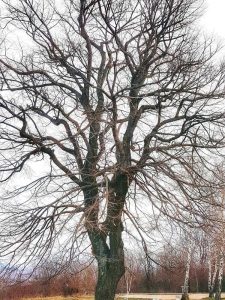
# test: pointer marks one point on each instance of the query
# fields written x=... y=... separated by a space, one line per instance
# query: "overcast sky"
x=214 y=18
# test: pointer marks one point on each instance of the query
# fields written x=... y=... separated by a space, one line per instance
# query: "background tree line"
x=165 y=276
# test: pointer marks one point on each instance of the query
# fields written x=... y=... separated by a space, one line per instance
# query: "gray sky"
x=214 y=18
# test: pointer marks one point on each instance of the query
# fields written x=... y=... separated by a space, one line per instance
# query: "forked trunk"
x=106 y=238
x=110 y=265
x=109 y=274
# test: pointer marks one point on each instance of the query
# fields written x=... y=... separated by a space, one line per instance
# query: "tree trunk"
x=185 y=288
x=185 y=296
x=212 y=276
x=106 y=238
x=220 y=277
x=211 y=294
x=213 y=280
x=109 y=274
x=110 y=260
x=110 y=265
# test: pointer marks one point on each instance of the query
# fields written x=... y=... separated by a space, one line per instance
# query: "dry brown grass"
x=123 y=297
x=61 y=298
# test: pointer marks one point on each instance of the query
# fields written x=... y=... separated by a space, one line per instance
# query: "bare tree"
x=117 y=107
x=185 y=287
x=216 y=245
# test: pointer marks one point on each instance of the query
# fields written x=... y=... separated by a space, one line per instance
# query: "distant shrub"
x=68 y=290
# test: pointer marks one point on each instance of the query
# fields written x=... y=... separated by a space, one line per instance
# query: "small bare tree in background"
x=118 y=108
x=216 y=240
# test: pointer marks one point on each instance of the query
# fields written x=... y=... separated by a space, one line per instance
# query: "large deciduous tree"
x=118 y=108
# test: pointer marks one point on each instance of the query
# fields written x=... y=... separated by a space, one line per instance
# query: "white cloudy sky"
x=214 y=18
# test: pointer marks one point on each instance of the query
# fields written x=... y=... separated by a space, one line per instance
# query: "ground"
x=132 y=297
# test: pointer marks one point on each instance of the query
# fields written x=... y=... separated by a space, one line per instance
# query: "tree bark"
x=109 y=274
x=187 y=273
x=110 y=264
x=213 y=280
x=220 y=277
x=106 y=238
x=110 y=260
